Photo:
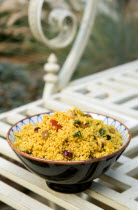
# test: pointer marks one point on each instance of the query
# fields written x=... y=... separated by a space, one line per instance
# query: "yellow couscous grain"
x=68 y=136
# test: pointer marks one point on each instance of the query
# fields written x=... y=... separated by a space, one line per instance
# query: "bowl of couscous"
x=68 y=149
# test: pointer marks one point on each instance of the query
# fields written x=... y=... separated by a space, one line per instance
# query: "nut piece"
x=112 y=130
x=45 y=134
x=71 y=115
x=101 y=142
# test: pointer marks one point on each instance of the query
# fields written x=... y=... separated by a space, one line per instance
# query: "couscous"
x=68 y=136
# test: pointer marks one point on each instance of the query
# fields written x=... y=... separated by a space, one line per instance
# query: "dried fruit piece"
x=102 y=131
x=36 y=129
x=77 y=134
x=67 y=154
x=45 y=134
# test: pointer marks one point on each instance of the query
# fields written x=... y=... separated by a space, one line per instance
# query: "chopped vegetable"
x=67 y=154
x=77 y=134
x=36 y=129
x=45 y=134
x=102 y=131
x=77 y=122
x=54 y=122
x=108 y=137
x=55 y=125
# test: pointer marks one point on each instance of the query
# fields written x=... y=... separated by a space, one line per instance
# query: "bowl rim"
x=19 y=152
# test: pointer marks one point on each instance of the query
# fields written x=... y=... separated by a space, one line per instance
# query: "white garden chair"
x=113 y=92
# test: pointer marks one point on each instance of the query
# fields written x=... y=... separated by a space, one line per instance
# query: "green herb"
x=108 y=137
x=102 y=145
x=77 y=122
x=77 y=134
x=17 y=136
x=102 y=131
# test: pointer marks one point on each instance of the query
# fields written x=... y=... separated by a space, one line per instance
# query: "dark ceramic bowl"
x=69 y=176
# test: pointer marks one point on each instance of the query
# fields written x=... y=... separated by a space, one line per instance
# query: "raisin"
x=36 y=129
x=67 y=154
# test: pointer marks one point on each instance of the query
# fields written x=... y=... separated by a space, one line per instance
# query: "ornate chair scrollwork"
x=63 y=20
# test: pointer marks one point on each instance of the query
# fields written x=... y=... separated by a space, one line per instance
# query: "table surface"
x=113 y=92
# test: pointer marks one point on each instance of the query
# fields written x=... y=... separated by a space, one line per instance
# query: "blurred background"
x=113 y=41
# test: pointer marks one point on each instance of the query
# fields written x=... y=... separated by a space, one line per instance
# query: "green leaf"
x=102 y=131
x=77 y=134
x=108 y=137
x=77 y=122
x=17 y=136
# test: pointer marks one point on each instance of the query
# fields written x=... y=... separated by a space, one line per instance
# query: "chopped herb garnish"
x=102 y=145
x=17 y=136
x=102 y=131
x=77 y=134
x=108 y=137
x=77 y=122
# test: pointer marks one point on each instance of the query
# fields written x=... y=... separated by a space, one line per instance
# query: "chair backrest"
x=65 y=21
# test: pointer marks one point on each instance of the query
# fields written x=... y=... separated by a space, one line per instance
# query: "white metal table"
x=113 y=92
x=117 y=188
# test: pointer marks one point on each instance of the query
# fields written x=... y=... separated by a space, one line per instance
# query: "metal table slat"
x=37 y=185
x=19 y=200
